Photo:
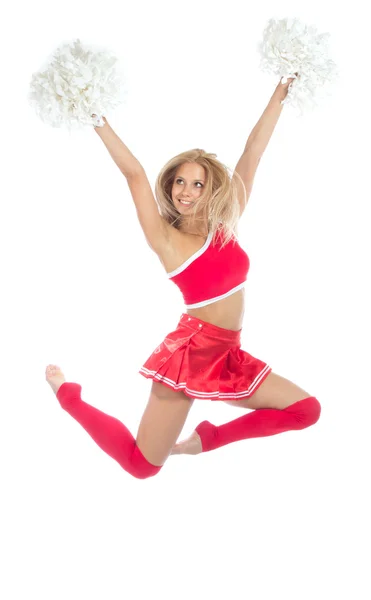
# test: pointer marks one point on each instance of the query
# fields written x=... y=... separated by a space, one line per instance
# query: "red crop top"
x=211 y=274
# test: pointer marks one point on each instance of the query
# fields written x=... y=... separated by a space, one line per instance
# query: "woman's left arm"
x=257 y=143
x=262 y=132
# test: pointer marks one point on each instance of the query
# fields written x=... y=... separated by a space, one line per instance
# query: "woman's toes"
x=54 y=377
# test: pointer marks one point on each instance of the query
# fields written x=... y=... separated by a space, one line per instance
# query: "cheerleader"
x=193 y=229
x=194 y=237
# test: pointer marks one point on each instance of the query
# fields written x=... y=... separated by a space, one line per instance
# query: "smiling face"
x=188 y=186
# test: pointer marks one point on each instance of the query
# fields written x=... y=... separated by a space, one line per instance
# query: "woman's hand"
x=289 y=80
x=104 y=120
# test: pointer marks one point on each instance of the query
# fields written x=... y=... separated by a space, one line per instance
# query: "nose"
x=185 y=193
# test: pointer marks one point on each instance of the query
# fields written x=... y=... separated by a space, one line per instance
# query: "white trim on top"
x=211 y=300
x=192 y=258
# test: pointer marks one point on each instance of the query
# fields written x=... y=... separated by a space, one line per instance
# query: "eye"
x=179 y=179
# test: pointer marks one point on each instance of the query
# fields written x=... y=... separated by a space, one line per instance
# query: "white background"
x=279 y=517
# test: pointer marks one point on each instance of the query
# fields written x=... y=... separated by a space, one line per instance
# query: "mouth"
x=185 y=203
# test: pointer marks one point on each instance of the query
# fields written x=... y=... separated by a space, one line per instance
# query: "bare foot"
x=54 y=377
x=191 y=445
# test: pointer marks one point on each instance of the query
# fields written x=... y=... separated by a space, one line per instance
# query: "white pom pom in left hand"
x=288 y=47
x=78 y=83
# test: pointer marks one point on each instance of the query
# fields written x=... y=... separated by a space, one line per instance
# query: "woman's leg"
x=160 y=427
x=279 y=406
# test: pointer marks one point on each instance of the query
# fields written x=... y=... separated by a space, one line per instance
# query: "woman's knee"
x=141 y=468
x=307 y=412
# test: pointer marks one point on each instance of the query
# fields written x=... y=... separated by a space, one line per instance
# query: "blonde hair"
x=218 y=203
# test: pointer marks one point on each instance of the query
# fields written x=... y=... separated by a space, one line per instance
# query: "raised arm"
x=124 y=159
x=257 y=143
x=155 y=228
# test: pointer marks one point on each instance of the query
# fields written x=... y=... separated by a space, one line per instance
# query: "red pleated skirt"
x=205 y=362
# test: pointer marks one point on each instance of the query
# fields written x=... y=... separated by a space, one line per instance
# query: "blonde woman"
x=194 y=235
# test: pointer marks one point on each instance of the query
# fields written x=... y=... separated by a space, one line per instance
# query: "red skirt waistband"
x=220 y=333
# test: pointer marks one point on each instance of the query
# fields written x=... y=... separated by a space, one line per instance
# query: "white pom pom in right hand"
x=78 y=83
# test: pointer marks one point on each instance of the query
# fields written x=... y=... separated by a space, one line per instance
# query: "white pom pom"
x=78 y=83
x=290 y=47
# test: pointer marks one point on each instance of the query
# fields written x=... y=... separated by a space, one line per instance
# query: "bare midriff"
x=227 y=313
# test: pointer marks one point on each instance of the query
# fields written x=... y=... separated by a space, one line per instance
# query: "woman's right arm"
x=124 y=159
x=155 y=228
